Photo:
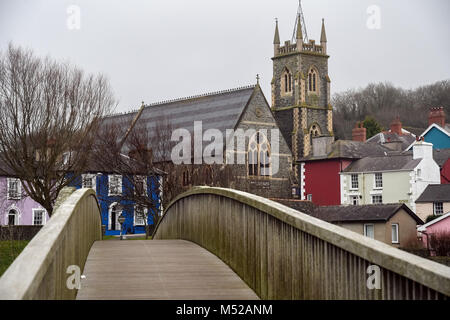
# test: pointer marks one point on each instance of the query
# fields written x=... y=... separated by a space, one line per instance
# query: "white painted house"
x=395 y=178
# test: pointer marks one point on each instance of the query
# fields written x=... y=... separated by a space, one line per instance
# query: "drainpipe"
x=428 y=242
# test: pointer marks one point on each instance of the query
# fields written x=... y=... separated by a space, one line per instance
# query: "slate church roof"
x=219 y=110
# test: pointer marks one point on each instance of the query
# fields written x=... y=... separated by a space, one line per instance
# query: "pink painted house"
x=438 y=225
x=16 y=208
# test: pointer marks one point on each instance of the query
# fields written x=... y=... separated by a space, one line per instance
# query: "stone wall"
x=18 y=232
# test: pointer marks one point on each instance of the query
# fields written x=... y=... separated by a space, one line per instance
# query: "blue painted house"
x=110 y=189
x=438 y=132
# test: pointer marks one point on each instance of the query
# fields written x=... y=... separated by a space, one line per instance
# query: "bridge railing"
x=41 y=270
x=282 y=253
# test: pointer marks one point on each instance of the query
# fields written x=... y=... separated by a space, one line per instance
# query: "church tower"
x=301 y=89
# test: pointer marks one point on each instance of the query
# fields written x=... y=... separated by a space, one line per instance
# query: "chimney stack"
x=396 y=126
x=422 y=150
x=437 y=115
x=359 y=132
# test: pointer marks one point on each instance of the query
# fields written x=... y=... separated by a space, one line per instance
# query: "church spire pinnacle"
x=323 y=37
x=299 y=36
x=276 y=39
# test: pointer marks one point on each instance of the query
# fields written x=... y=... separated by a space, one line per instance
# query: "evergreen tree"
x=372 y=126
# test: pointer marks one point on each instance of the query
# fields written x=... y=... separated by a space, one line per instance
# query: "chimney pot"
x=396 y=126
x=436 y=115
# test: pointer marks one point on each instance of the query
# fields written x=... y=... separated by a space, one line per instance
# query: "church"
x=300 y=110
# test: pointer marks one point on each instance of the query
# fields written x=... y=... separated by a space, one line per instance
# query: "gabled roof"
x=435 y=193
x=441 y=156
x=349 y=149
x=362 y=213
x=406 y=138
x=384 y=163
x=426 y=225
x=219 y=110
x=445 y=130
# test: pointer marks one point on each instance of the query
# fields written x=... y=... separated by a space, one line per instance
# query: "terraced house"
x=390 y=179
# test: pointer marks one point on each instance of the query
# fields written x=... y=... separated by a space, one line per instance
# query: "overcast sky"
x=155 y=50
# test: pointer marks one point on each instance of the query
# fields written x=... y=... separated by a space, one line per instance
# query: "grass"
x=9 y=250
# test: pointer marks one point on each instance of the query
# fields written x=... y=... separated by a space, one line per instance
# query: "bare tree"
x=136 y=168
x=49 y=113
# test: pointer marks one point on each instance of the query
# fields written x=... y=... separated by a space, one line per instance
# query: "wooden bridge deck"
x=158 y=269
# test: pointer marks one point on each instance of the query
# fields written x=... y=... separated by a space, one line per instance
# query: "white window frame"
x=351 y=182
x=44 y=216
x=309 y=197
x=395 y=227
x=373 y=230
x=377 y=195
x=144 y=181
x=352 y=198
x=119 y=185
x=89 y=176
x=143 y=218
x=18 y=194
x=441 y=209
x=380 y=180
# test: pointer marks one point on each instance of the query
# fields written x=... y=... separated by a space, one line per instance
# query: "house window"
x=115 y=185
x=378 y=180
x=419 y=172
x=354 y=200
x=377 y=199
x=88 y=181
x=258 y=156
x=354 y=181
x=140 y=185
x=438 y=208
x=395 y=233
x=38 y=217
x=14 y=189
x=369 y=230
x=12 y=217
x=309 y=197
x=140 y=214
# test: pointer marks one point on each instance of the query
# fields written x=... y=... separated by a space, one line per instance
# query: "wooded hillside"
x=384 y=101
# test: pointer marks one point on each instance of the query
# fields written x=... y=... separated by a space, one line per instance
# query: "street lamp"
x=121 y=220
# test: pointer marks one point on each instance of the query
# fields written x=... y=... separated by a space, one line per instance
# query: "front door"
x=113 y=218
x=12 y=218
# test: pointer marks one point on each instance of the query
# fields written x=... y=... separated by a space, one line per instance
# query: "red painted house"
x=442 y=158
x=319 y=173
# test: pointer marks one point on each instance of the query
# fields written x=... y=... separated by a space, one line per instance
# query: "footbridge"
x=215 y=243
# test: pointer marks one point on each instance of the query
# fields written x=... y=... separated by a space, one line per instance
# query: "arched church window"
x=258 y=155
x=286 y=81
x=313 y=80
